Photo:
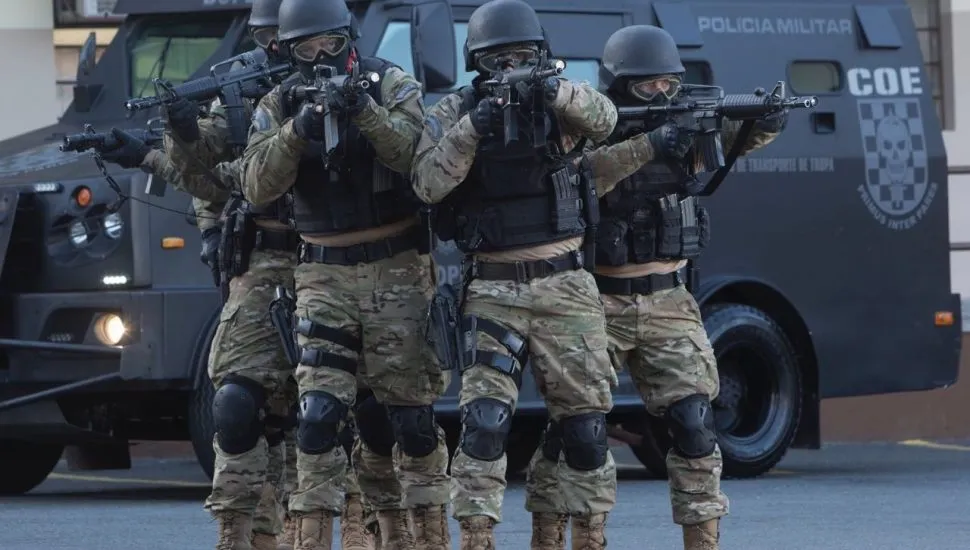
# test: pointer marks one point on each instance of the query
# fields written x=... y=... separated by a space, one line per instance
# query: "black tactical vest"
x=514 y=196
x=355 y=191
x=648 y=217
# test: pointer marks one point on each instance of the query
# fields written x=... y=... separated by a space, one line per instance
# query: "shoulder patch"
x=261 y=120
x=406 y=90
x=434 y=127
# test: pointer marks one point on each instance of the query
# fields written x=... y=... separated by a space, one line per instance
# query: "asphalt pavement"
x=909 y=496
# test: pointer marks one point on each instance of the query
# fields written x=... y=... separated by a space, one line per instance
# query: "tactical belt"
x=272 y=239
x=523 y=272
x=363 y=253
x=638 y=285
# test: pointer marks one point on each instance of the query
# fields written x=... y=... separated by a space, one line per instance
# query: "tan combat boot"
x=353 y=533
x=589 y=532
x=315 y=531
x=395 y=530
x=549 y=531
x=287 y=539
x=703 y=536
x=374 y=529
x=477 y=533
x=263 y=541
x=431 y=527
x=235 y=531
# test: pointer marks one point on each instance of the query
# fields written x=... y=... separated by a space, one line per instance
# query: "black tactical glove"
x=183 y=119
x=773 y=123
x=487 y=116
x=350 y=101
x=551 y=88
x=211 y=238
x=670 y=141
x=127 y=152
x=308 y=123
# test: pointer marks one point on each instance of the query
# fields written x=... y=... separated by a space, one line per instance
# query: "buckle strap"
x=517 y=347
x=523 y=272
x=312 y=357
x=359 y=253
x=645 y=285
x=310 y=329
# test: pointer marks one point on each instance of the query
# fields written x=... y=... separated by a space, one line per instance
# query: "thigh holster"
x=313 y=357
x=511 y=365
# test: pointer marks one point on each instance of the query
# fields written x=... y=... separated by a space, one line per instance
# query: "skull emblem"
x=895 y=147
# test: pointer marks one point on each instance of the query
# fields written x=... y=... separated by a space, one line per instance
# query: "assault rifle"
x=505 y=85
x=701 y=110
x=106 y=141
x=318 y=93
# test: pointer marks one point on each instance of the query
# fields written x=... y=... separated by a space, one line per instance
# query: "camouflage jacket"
x=611 y=164
x=449 y=141
x=207 y=199
x=272 y=158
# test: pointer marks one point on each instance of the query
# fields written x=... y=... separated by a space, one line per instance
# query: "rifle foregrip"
x=201 y=89
x=746 y=106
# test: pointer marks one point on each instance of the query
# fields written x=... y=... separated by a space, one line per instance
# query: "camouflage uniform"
x=381 y=305
x=661 y=337
x=560 y=316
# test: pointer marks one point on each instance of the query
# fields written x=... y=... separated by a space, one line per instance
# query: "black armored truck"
x=828 y=274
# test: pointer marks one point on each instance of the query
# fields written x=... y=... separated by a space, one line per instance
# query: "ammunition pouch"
x=238 y=240
x=281 y=312
x=313 y=357
x=591 y=212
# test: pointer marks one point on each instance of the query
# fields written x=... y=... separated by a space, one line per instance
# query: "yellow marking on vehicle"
x=931 y=445
x=129 y=480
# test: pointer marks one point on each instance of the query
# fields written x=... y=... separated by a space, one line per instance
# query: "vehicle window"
x=395 y=46
x=173 y=49
x=698 y=72
x=815 y=77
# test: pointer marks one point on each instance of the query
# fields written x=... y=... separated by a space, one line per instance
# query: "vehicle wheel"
x=759 y=406
x=201 y=426
x=522 y=443
x=25 y=464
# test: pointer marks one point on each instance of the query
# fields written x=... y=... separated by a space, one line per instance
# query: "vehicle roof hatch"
x=679 y=21
x=878 y=28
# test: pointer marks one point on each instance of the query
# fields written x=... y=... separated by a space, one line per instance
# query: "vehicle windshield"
x=173 y=49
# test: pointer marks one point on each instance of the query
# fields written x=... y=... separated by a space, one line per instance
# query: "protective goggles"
x=264 y=36
x=511 y=58
x=330 y=45
x=648 y=89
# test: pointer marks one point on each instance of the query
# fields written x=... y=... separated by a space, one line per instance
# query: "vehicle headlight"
x=110 y=329
x=113 y=225
x=79 y=234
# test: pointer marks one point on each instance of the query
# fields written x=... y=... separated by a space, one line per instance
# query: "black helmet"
x=638 y=51
x=265 y=13
x=501 y=22
x=302 y=18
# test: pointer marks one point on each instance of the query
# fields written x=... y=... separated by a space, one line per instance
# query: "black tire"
x=759 y=407
x=25 y=464
x=522 y=442
x=201 y=426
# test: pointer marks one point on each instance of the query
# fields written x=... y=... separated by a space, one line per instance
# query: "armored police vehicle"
x=828 y=273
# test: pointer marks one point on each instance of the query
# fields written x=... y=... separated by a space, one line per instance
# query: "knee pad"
x=374 y=426
x=236 y=414
x=415 y=429
x=321 y=416
x=584 y=441
x=691 y=424
x=486 y=424
x=552 y=442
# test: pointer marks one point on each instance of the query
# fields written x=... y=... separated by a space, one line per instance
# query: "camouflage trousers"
x=383 y=304
x=246 y=345
x=661 y=338
x=561 y=317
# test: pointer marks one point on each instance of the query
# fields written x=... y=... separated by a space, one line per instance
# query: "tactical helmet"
x=501 y=22
x=265 y=13
x=638 y=51
x=303 y=18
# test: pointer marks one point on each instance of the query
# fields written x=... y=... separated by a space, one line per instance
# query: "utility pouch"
x=281 y=311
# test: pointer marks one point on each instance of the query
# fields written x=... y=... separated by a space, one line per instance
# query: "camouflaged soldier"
x=361 y=287
x=651 y=226
x=517 y=209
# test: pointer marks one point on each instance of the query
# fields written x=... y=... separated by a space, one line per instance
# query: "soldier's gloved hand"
x=773 y=123
x=487 y=116
x=210 y=250
x=551 y=88
x=183 y=119
x=309 y=122
x=350 y=101
x=670 y=141
x=128 y=151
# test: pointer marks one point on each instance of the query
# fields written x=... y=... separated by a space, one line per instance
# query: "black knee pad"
x=552 y=441
x=374 y=426
x=321 y=416
x=691 y=425
x=236 y=414
x=415 y=429
x=486 y=424
x=584 y=441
